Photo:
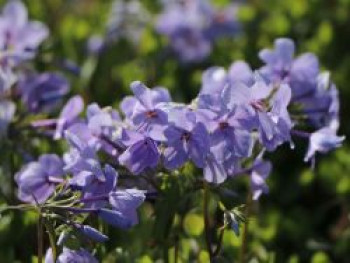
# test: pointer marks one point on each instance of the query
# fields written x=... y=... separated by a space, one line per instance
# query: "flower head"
x=69 y=255
x=43 y=92
x=19 y=38
x=37 y=180
x=141 y=152
x=323 y=141
x=186 y=139
x=261 y=170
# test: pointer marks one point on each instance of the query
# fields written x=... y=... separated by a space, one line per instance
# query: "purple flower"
x=190 y=45
x=101 y=129
x=184 y=25
x=184 y=14
x=261 y=170
x=223 y=23
x=42 y=93
x=37 y=180
x=144 y=109
x=7 y=79
x=214 y=80
x=300 y=73
x=141 y=152
x=127 y=19
x=240 y=71
x=115 y=218
x=82 y=162
x=126 y=202
x=95 y=45
x=74 y=256
x=214 y=171
x=269 y=107
x=186 y=139
x=323 y=141
x=7 y=112
x=192 y=26
x=19 y=38
x=69 y=115
x=105 y=125
x=82 y=131
x=229 y=134
x=91 y=233
x=322 y=107
x=95 y=187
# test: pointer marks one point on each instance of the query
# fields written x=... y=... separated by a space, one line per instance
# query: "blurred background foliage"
x=306 y=216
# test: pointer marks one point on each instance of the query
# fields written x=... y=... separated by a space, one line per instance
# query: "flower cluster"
x=239 y=115
x=127 y=20
x=19 y=40
x=192 y=25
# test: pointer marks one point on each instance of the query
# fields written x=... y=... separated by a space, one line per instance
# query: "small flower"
x=141 y=153
x=81 y=160
x=214 y=171
x=68 y=255
x=261 y=170
x=7 y=79
x=115 y=218
x=323 y=141
x=68 y=115
x=19 y=38
x=126 y=202
x=127 y=19
x=91 y=233
x=37 y=180
x=214 y=80
x=268 y=106
x=186 y=139
x=144 y=109
x=193 y=26
x=43 y=92
x=300 y=73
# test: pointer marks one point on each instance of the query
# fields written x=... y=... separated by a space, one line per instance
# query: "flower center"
x=151 y=114
x=186 y=136
x=259 y=105
x=223 y=125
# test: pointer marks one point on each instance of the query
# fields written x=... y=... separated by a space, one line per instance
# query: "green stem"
x=52 y=239
x=206 y=221
x=165 y=253
x=18 y=207
x=221 y=237
x=176 y=250
x=40 y=239
x=243 y=251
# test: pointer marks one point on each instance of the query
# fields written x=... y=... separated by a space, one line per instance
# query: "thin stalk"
x=301 y=134
x=17 y=207
x=40 y=239
x=206 y=221
x=176 y=250
x=148 y=178
x=52 y=239
x=221 y=237
x=243 y=251
x=165 y=253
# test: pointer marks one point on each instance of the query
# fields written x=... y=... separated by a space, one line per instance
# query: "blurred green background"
x=306 y=216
